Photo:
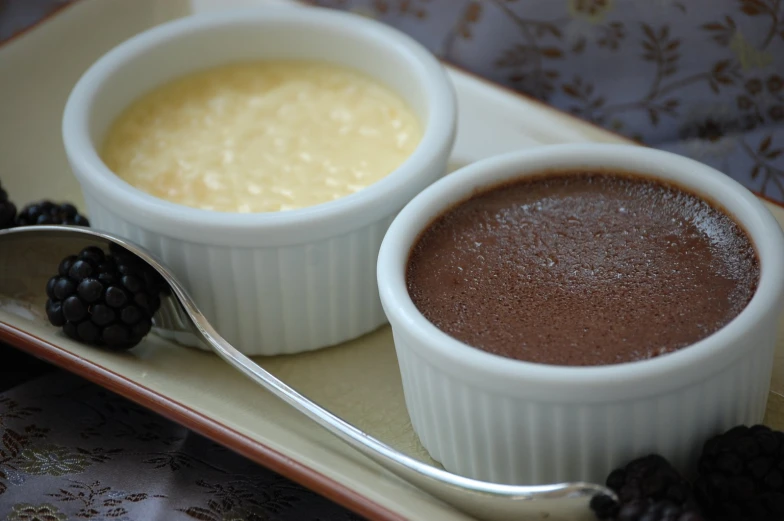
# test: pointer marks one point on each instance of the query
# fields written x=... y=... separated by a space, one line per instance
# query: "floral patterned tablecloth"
x=702 y=78
x=71 y=450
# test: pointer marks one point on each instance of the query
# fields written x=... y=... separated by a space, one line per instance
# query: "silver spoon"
x=34 y=253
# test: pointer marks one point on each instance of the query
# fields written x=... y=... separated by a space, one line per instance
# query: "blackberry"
x=648 y=489
x=47 y=212
x=104 y=300
x=741 y=475
x=7 y=210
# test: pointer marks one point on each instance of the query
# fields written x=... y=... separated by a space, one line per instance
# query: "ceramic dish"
x=358 y=380
x=508 y=421
x=273 y=282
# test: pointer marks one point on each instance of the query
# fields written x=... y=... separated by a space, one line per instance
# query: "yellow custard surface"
x=262 y=136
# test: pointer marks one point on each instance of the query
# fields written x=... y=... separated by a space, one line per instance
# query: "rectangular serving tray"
x=358 y=380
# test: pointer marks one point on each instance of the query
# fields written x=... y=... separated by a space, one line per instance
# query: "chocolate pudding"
x=582 y=269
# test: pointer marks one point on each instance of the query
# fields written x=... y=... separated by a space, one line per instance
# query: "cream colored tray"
x=358 y=380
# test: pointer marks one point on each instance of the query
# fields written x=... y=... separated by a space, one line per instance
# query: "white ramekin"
x=504 y=420
x=280 y=282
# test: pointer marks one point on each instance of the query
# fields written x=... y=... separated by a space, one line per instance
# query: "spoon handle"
x=474 y=496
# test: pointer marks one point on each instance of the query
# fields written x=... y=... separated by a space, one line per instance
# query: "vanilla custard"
x=262 y=137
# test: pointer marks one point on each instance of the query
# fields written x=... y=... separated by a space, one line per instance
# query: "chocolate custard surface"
x=582 y=269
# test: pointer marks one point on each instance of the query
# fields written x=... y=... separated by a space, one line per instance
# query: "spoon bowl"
x=30 y=254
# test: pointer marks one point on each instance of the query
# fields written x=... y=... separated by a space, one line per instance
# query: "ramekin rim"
x=434 y=344
x=438 y=134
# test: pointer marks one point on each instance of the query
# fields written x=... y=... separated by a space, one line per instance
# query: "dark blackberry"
x=741 y=475
x=47 y=212
x=7 y=210
x=648 y=489
x=105 y=300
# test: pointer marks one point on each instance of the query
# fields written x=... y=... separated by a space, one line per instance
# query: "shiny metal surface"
x=179 y=314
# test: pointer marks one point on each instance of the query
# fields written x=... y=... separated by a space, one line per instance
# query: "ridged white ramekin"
x=504 y=420
x=280 y=282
